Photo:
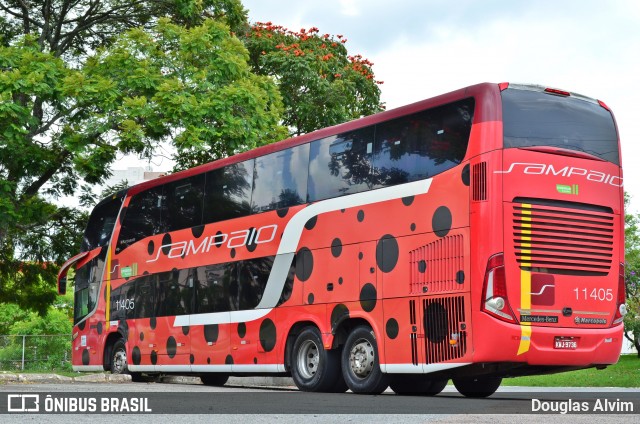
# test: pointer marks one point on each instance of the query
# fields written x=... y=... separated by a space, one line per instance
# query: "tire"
x=361 y=364
x=480 y=387
x=119 y=363
x=214 y=379
x=416 y=385
x=313 y=368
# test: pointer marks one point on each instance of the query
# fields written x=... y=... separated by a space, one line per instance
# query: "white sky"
x=422 y=48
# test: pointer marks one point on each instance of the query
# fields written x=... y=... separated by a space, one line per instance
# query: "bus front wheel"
x=119 y=364
x=477 y=387
x=313 y=368
x=361 y=364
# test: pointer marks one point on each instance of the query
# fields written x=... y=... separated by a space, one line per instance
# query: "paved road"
x=236 y=404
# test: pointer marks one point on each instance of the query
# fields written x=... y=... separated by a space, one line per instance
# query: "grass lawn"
x=626 y=373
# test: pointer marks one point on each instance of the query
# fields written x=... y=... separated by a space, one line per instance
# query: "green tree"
x=321 y=84
x=61 y=123
x=84 y=81
x=632 y=276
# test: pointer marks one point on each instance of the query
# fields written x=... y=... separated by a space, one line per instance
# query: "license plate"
x=569 y=343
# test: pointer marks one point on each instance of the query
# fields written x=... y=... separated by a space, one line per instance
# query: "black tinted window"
x=422 y=145
x=533 y=118
x=184 y=202
x=213 y=283
x=145 y=296
x=280 y=179
x=101 y=223
x=228 y=192
x=341 y=164
x=252 y=278
x=143 y=217
x=174 y=293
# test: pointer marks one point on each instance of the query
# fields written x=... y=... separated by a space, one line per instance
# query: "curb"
x=55 y=378
x=125 y=378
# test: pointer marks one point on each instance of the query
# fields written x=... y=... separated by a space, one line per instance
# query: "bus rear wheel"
x=477 y=387
x=214 y=379
x=361 y=364
x=313 y=368
x=416 y=385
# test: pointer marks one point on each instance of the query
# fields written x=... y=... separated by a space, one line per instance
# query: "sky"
x=422 y=48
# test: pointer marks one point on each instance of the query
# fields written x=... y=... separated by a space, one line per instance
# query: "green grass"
x=626 y=373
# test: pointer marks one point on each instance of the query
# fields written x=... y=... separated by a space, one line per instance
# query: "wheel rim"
x=119 y=361
x=308 y=359
x=362 y=358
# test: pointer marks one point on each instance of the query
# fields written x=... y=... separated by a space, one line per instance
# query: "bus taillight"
x=557 y=92
x=494 y=291
x=621 y=307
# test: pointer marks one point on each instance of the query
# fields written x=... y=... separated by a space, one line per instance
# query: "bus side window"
x=184 y=203
x=145 y=299
x=422 y=145
x=252 y=278
x=340 y=165
x=280 y=179
x=174 y=292
x=212 y=288
x=228 y=192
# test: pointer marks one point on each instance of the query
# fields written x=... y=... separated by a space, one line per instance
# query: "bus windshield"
x=101 y=223
x=533 y=118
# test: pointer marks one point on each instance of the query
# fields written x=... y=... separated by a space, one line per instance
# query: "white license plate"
x=565 y=343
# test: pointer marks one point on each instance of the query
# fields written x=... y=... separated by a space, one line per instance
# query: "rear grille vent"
x=438 y=266
x=563 y=237
x=480 y=181
x=445 y=328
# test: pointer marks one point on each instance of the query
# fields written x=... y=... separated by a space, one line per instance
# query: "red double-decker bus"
x=473 y=236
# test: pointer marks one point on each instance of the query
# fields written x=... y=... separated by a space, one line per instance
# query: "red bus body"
x=534 y=233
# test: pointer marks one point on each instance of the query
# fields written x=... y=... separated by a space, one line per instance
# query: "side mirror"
x=62 y=285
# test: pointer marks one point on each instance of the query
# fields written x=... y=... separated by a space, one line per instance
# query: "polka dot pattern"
x=211 y=332
x=387 y=252
x=392 y=328
x=368 y=296
x=136 y=356
x=304 y=264
x=442 y=221
x=336 y=247
x=267 y=335
x=311 y=223
x=172 y=347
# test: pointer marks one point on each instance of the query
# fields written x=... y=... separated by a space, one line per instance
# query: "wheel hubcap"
x=308 y=359
x=361 y=358
x=119 y=361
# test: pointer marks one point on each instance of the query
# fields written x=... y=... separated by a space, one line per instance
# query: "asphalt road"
x=195 y=403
